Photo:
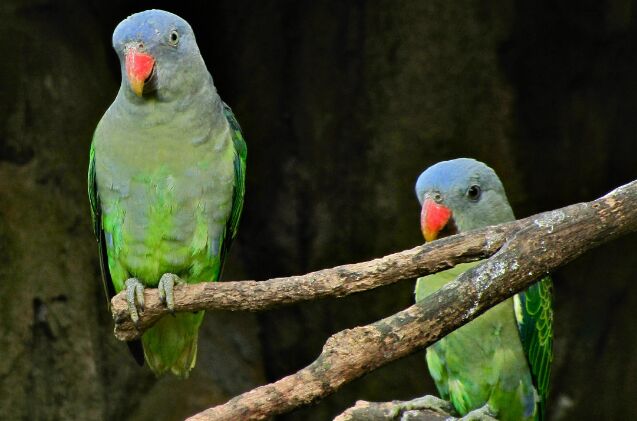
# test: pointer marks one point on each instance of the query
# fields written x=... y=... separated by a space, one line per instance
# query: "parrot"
x=498 y=365
x=166 y=181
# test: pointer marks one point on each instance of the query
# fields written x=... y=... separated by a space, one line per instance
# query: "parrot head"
x=158 y=52
x=460 y=195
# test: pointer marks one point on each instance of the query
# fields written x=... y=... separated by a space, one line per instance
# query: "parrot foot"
x=166 y=290
x=134 y=298
x=427 y=402
x=481 y=414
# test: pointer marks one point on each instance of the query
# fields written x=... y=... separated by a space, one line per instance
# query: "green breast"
x=483 y=361
x=165 y=204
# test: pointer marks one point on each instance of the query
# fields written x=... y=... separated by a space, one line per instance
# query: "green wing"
x=534 y=314
x=135 y=347
x=238 y=193
x=96 y=216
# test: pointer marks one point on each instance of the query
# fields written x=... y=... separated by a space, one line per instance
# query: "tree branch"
x=393 y=411
x=335 y=282
x=542 y=243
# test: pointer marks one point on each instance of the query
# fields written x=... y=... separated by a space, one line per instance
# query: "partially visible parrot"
x=499 y=364
x=166 y=180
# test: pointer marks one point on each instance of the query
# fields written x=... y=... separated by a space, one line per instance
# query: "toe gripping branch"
x=166 y=288
x=135 y=295
x=134 y=298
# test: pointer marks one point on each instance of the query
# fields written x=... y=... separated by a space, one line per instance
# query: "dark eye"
x=473 y=192
x=173 y=38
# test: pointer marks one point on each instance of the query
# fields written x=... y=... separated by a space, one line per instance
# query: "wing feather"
x=135 y=347
x=96 y=216
x=534 y=316
x=238 y=192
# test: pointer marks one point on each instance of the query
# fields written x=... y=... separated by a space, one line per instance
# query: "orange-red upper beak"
x=139 y=67
x=433 y=218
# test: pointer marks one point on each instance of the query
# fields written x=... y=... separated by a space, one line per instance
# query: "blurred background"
x=343 y=104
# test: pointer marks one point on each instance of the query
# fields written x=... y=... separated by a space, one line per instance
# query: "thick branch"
x=335 y=282
x=542 y=244
x=391 y=411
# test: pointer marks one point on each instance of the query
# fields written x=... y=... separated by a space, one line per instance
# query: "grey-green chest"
x=163 y=195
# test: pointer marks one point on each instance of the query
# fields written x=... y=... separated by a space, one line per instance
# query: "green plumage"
x=174 y=211
x=534 y=316
x=495 y=359
x=166 y=179
x=503 y=357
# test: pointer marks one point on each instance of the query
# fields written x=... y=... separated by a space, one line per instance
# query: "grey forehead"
x=148 y=25
x=459 y=173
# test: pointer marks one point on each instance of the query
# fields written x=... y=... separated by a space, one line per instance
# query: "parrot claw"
x=134 y=298
x=166 y=290
x=428 y=402
x=481 y=414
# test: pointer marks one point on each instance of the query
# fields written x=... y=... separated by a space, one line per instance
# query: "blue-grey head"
x=158 y=55
x=460 y=195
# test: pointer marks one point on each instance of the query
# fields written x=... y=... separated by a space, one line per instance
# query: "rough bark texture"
x=420 y=261
x=343 y=104
x=543 y=244
x=335 y=282
x=390 y=411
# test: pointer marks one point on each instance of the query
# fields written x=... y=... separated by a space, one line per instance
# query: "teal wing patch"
x=238 y=193
x=534 y=315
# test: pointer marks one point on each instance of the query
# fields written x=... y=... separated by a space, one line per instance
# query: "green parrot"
x=166 y=180
x=499 y=364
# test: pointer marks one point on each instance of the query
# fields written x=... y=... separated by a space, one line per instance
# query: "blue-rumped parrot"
x=499 y=363
x=166 y=179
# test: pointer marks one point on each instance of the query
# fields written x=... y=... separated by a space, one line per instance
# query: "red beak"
x=433 y=218
x=139 y=67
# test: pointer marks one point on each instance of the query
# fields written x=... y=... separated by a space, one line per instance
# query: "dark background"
x=343 y=104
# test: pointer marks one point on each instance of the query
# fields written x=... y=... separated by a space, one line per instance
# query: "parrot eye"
x=473 y=192
x=173 y=38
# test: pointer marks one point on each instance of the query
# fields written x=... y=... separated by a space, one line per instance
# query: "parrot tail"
x=171 y=344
